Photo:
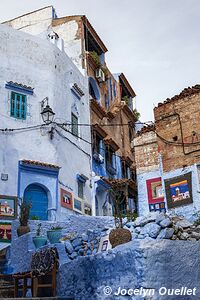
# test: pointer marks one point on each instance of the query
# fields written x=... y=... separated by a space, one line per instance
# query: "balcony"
x=111 y=170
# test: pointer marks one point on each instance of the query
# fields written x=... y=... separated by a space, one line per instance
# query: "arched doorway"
x=37 y=195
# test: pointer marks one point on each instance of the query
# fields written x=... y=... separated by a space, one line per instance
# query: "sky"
x=155 y=43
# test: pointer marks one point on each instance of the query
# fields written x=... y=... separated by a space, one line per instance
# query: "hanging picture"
x=154 y=190
x=179 y=190
x=66 y=199
x=8 y=207
x=5 y=232
x=78 y=205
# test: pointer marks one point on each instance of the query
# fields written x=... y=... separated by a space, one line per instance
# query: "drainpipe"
x=161 y=175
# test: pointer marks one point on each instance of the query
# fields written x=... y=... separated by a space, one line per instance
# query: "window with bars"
x=74 y=122
x=18 y=106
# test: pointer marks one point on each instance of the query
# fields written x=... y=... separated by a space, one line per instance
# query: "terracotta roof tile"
x=187 y=92
x=38 y=163
x=146 y=129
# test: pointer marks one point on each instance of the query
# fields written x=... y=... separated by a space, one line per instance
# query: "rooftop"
x=187 y=92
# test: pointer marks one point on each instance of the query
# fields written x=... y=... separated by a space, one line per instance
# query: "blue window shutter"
x=18 y=106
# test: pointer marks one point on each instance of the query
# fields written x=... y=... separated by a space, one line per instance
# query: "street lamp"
x=47 y=112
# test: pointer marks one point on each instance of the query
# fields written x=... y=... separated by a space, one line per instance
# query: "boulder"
x=160 y=217
x=165 y=223
x=166 y=233
x=76 y=242
x=73 y=255
x=184 y=236
x=68 y=247
x=84 y=237
x=183 y=224
x=152 y=229
x=195 y=235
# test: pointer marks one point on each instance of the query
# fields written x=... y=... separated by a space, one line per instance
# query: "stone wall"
x=177 y=120
x=132 y=266
x=23 y=247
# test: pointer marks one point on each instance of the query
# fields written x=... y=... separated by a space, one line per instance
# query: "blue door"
x=38 y=197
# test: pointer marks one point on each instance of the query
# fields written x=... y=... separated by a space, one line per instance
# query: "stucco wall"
x=37 y=63
x=132 y=266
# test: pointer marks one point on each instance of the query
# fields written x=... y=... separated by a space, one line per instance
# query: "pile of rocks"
x=163 y=226
x=84 y=244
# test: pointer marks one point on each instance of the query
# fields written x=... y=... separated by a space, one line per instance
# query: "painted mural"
x=8 y=207
x=179 y=190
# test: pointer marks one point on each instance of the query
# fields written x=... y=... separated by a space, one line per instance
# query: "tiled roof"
x=146 y=129
x=39 y=163
x=187 y=92
x=20 y=85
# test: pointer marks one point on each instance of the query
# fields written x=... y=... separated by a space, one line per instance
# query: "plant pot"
x=54 y=236
x=119 y=236
x=21 y=230
x=39 y=241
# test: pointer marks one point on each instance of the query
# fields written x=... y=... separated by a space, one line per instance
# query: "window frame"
x=15 y=112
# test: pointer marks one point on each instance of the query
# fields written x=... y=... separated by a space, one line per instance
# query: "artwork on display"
x=154 y=190
x=78 y=205
x=66 y=199
x=157 y=207
x=104 y=243
x=8 y=207
x=5 y=232
x=87 y=209
x=155 y=195
x=179 y=190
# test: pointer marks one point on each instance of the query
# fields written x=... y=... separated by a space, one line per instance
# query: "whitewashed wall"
x=37 y=63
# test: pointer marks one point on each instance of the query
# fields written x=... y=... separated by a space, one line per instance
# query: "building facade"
x=49 y=165
x=112 y=104
x=167 y=157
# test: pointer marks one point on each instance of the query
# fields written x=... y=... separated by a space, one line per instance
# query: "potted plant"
x=39 y=240
x=119 y=235
x=54 y=234
x=24 y=217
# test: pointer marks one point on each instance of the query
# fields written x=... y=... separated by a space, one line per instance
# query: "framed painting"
x=104 y=244
x=66 y=199
x=179 y=190
x=5 y=232
x=78 y=205
x=8 y=207
x=154 y=190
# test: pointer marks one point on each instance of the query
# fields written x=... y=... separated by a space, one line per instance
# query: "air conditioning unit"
x=123 y=102
x=100 y=76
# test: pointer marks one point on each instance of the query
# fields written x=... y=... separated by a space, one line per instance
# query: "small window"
x=80 y=189
x=74 y=121
x=18 y=106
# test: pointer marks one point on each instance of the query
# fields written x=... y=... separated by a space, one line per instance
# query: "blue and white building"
x=50 y=165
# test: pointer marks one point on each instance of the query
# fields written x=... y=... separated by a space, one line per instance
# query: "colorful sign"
x=5 y=232
x=66 y=199
x=179 y=190
x=8 y=207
